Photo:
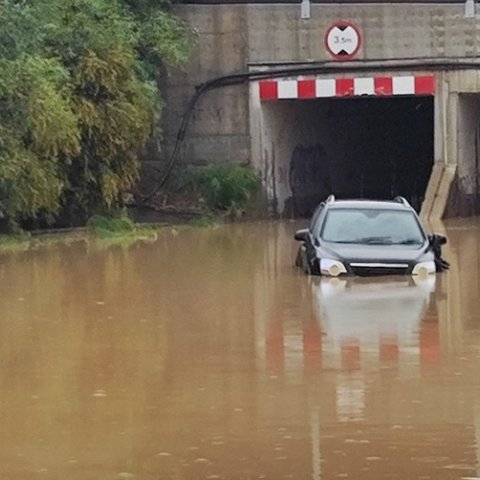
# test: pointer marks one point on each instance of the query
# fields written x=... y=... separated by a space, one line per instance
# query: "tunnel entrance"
x=373 y=148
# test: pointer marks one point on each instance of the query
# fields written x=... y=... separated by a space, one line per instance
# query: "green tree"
x=78 y=97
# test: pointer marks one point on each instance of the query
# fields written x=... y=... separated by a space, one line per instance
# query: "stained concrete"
x=227 y=124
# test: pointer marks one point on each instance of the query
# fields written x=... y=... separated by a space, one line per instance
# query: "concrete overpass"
x=399 y=115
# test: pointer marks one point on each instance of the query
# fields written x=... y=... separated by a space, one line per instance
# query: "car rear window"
x=370 y=226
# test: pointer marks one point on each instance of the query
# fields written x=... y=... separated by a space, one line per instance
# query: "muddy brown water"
x=206 y=355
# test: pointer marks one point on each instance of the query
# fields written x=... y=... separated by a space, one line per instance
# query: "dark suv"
x=366 y=237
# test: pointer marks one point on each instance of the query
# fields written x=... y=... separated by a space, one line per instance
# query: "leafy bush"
x=105 y=226
x=78 y=97
x=118 y=227
x=226 y=187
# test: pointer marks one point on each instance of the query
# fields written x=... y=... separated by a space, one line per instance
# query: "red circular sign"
x=343 y=39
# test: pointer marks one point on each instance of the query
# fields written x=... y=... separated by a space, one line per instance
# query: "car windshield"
x=372 y=227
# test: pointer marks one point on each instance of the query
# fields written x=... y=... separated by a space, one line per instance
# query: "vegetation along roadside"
x=78 y=98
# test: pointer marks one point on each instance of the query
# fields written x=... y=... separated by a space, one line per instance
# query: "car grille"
x=375 y=269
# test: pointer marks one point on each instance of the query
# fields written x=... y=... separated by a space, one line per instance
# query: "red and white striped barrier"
x=308 y=88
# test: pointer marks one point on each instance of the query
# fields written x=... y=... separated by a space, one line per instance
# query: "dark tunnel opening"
x=374 y=148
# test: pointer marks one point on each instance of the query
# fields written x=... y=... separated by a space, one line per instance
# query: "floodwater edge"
x=142 y=232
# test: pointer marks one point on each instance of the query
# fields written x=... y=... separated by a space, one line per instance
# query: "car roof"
x=373 y=204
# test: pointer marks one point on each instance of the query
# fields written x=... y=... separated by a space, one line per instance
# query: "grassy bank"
x=101 y=232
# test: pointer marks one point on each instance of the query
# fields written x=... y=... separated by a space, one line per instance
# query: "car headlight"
x=424 y=268
x=333 y=268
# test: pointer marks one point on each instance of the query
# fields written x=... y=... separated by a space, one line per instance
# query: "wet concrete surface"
x=207 y=355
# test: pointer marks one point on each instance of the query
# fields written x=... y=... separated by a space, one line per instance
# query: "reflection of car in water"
x=367 y=311
x=374 y=325
x=363 y=237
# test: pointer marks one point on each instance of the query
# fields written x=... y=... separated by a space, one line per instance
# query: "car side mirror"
x=301 y=235
x=437 y=240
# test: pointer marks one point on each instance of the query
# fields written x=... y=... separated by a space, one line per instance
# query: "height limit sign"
x=343 y=40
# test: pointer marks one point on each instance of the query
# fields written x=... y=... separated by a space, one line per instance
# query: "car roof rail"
x=330 y=199
x=401 y=200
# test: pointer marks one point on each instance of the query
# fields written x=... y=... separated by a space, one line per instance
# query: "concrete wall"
x=465 y=194
x=280 y=128
x=219 y=130
x=278 y=34
x=233 y=38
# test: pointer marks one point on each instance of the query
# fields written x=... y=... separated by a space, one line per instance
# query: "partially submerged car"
x=367 y=237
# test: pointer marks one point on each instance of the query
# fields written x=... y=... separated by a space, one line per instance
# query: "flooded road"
x=207 y=355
